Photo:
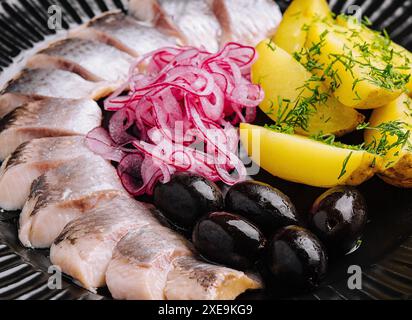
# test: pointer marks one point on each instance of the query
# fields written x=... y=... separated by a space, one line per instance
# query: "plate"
x=385 y=256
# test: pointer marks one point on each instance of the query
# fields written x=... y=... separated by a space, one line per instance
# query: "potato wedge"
x=399 y=56
x=358 y=78
x=396 y=168
x=281 y=76
x=292 y=32
x=303 y=160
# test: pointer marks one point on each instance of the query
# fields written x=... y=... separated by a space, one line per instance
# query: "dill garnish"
x=395 y=129
x=271 y=45
x=295 y=114
x=373 y=164
x=345 y=164
x=330 y=139
x=373 y=59
x=366 y=21
x=407 y=103
x=409 y=146
x=305 y=27
x=388 y=130
x=363 y=126
x=381 y=147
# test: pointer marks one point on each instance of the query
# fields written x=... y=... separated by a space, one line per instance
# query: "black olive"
x=186 y=198
x=262 y=204
x=295 y=260
x=338 y=217
x=228 y=239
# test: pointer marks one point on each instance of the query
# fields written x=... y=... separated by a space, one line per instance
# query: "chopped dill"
x=366 y=22
x=379 y=147
x=373 y=58
x=392 y=129
x=389 y=164
x=409 y=146
x=373 y=164
x=363 y=126
x=407 y=103
x=377 y=61
x=358 y=97
x=330 y=139
x=295 y=114
x=271 y=45
x=305 y=27
x=344 y=166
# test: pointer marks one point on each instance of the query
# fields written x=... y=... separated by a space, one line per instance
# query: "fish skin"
x=92 y=60
x=31 y=160
x=125 y=33
x=194 y=279
x=144 y=257
x=85 y=247
x=194 y=20
x=147 y=11
x=247 y=21
x=212 y=23
x=152 y=13
x=63 y=194
x=156 y=263
x=39 y=83
x=47 y=118
x=11 y=101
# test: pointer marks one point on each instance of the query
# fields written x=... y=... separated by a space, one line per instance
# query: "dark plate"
x=385 y=255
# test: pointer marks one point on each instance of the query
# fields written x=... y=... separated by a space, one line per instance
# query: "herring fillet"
x=85 y=247
x=93 y=60
x=47 y=118
x=62 y=194
x=247 y=21
x=212 y=23
x=157 y=263
x=196 y=21
x=11 y=101
x=31 y=160
x=193 y=279
x=125 y=33
x=142 y=261
x=39 y=83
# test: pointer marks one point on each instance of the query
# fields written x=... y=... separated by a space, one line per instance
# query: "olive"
x=338 y=217
x=228 y=239
x=295 y=259
x=186 y=198
x=262 y=204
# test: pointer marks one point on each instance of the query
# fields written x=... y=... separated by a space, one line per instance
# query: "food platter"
x=385 y=256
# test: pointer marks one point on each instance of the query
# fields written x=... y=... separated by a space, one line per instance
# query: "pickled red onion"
x=180 y=99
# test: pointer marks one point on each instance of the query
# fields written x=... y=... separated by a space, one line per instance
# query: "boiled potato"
x=401 y=58
x=397 y=166
x=281 y=76
x=303 y=160
x=358 y=79
x=291 y=34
